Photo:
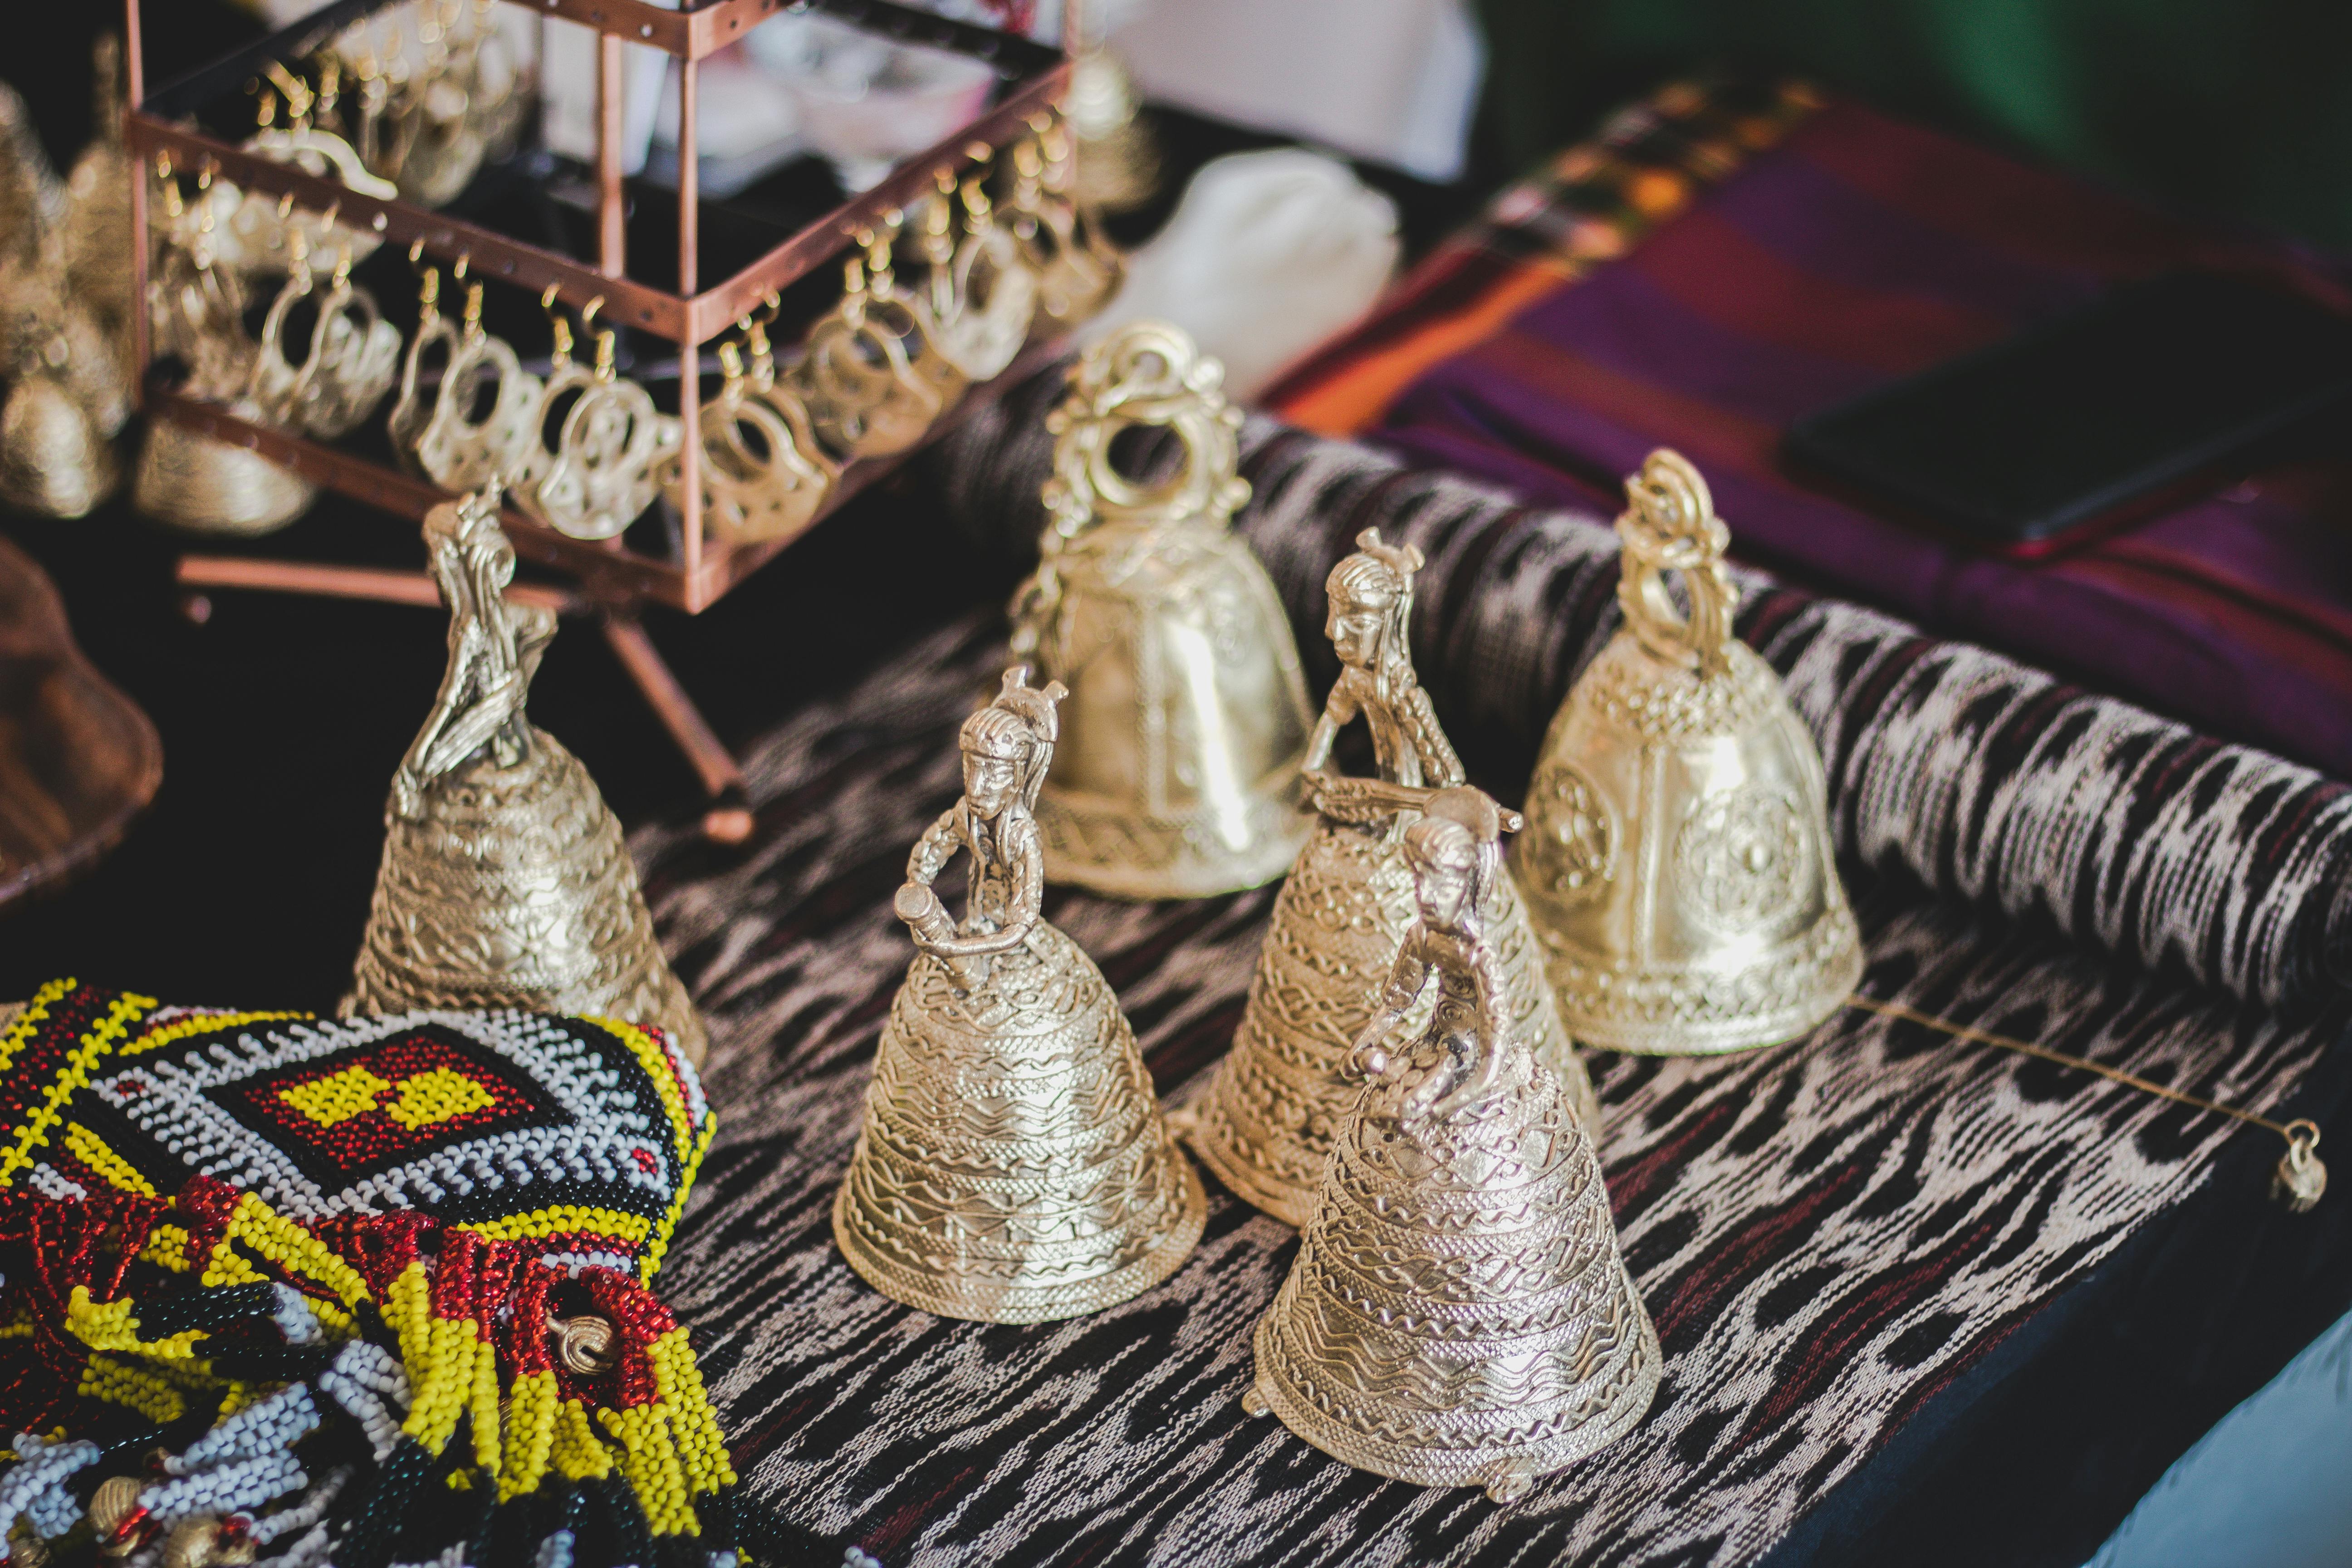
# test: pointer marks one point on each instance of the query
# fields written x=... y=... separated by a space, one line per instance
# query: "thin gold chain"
x=2292 y=1131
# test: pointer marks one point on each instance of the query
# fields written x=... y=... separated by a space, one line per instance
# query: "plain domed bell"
x=1187 y=716
x=1676 y=859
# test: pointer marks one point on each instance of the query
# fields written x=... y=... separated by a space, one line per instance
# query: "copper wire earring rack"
x=613 y=580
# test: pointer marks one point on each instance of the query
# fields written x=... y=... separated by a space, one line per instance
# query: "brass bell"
x=1187 y=718
x=1014 y=1167
x=505 y=881
x=1676 y=859
x=1267 y=1120
x=1459 y=1313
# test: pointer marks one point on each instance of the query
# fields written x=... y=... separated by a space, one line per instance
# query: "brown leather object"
x=79 y=760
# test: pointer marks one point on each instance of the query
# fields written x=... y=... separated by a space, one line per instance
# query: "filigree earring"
x=762 y=475
x=864 y=393
x=445 y=440
x=354 y=353
x=603 y=471
x=1076 y=272
x=982 y=293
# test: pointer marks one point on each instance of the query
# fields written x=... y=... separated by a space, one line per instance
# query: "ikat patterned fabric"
x=1827 y=1233
x=1983 y=777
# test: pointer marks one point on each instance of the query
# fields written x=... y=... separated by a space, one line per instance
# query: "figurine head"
x=1370 y=594
x=1008 y=745
x=1455 y=853
x=1447 y=880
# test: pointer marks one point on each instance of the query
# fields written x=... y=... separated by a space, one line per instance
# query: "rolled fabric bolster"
x=1985 y=778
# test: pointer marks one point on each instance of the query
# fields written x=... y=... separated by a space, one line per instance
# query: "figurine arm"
x=1485 y=1064
x=1026 y=860
x=1407 y=975
x=934 y=849
x=1441 y=768
x=1340 y=711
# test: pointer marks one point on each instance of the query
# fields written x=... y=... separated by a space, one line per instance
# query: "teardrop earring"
x=352 y=354
x=985 y=296
x=459 y=452
x=764 y=485
x=861 y=389
x=1077 y=271
x=601 y=471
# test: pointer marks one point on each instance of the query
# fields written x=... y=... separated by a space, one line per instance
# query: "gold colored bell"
x=505 y=881
x=1014 y=1167
x=1187 y=718
x=205 y=485
x=1677 y=853
x=1280 y=1095
x=1459 y=1313
x=52 y=458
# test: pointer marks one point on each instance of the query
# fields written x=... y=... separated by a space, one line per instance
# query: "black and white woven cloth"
x=1983 y=778
x=1828 y=1234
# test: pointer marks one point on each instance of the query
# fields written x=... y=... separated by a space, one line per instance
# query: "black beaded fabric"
x=1830 y=1236
x=1981 y=777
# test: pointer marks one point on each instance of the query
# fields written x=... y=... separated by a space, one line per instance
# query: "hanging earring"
x=1076 y=271
x=353 y=353
x=985 y=295
x=862 y=391
x=458 y=452
x=766 y=484
x=601 y=472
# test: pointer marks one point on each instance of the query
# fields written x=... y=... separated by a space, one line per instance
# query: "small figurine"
x=1014 y=1167
x=1187 y=717
x=1267 y=1120
x=506 y=882
x=1459 y=1313
x=1678 y=856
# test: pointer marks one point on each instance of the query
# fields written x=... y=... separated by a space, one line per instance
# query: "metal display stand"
x=614 y=579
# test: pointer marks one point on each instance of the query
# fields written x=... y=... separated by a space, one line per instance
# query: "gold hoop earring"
x=754 y=493
x=458 y=452
x=603 y=471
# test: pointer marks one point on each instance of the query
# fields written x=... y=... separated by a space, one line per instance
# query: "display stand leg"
x=729 y=818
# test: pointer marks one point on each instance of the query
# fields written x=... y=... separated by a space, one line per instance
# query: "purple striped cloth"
x=1856 y=251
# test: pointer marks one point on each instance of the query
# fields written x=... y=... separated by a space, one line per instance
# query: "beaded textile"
x=358 y=1291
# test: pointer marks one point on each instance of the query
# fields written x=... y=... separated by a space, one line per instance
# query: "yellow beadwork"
x=577 y=1454
x=660 y=1245
x=557 y=1219
x=110 y=1326
x=336 y=1099
x=116 y=1383
x=436 y=1095
x=650 y=1461
x=87 y=1052
x=530 y=1435
x=93 y=1151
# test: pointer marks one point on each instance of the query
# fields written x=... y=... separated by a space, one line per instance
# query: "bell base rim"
x=1292 y=1207
x=1722 y=1037
x=1499 y=1468
x=1033 y=1304
x=1167 y=884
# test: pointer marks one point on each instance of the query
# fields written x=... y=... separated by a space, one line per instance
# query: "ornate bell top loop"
x=1148 y=374
x=1669 y=525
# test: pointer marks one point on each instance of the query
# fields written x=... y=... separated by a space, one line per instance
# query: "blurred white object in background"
x=750 y=124
x=1394 y=81
x=864 y=102
x=567 y=85
x=1268 y=255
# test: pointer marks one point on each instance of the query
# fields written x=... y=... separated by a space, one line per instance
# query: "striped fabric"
x=1551 y=356
x=1985 y=779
